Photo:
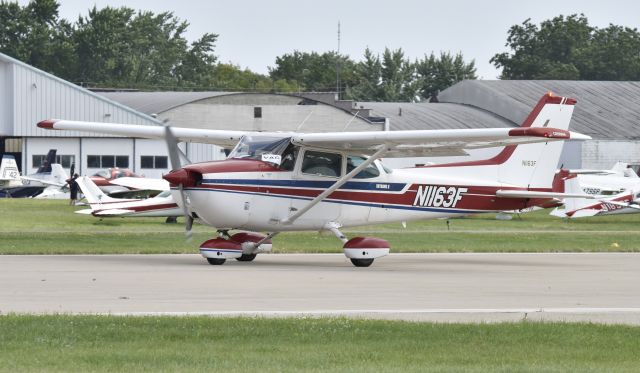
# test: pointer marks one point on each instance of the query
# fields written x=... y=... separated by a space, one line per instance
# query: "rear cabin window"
x=369 y=172
x=322 y=164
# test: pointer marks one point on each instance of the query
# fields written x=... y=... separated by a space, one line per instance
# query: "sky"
x=253 y=33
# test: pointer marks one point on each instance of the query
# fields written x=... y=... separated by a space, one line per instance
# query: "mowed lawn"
x=50 y=227
x=128 y=344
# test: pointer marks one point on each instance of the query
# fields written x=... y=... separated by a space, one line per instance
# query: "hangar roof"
x=605 y=110
x=158 y=102
x=408 y=116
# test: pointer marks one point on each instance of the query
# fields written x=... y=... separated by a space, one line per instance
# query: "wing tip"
x=47 y=124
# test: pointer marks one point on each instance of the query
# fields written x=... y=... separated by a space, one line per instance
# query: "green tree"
x=314 y=71
x=368 y=79
x=230 y=77
x=120 y=47
x=569 y=48
x=390 y=78
x=35 y=35
x=438 y=73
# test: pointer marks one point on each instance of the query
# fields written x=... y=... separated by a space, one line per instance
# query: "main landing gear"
x=244 y=247
x=240 y=246
x=361 y=250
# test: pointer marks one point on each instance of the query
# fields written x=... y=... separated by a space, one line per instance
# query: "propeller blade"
x=172 y=148
x=72 y=170
x=174 y=158
x=188 y=220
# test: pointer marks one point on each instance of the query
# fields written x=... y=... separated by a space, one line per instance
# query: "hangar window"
x=107 y=161
x=64 y=160
x=154 y=161
x=257 y=112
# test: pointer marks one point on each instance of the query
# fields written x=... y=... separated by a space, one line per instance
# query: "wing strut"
x=340 y=182
x=379 y=153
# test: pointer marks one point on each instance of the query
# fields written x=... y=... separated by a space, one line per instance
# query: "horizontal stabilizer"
x=533 y=194
x=84 y=212
x=585 y=213
x=591 y=172
x=113 y=212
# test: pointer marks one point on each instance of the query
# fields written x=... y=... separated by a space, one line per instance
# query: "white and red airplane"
x=103 y=205
x=275 y=182
x=612 y=192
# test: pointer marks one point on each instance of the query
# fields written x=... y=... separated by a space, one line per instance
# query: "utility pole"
x=338 y=64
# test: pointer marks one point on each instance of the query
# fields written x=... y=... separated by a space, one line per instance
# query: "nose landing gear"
x=240 y=246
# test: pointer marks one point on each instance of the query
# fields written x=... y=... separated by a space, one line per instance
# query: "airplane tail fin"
x=527 y=165
x=92 y=193
x=58 y=174
x=535 y=165
x=623 y=169
x=45 y=167
x=9 y=168
x=572 y=185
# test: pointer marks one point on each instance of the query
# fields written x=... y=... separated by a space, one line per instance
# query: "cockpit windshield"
x=263 y=148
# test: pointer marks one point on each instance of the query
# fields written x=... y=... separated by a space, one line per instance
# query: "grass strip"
x=109 y=343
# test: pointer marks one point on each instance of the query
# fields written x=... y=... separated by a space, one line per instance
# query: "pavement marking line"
x=591 y=310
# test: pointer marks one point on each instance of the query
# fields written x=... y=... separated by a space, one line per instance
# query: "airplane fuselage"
x=256 y=196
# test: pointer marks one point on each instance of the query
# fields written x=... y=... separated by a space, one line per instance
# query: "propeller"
x=174 y=158
x=72 y=170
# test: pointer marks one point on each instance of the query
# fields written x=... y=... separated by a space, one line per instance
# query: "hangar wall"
x=603 y=154
x=6 y=99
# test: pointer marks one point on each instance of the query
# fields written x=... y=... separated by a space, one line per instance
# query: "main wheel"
x=361 y=262
x=216 y=261
x=246 y=257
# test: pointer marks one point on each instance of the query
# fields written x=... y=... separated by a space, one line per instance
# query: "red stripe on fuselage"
x=475 y=198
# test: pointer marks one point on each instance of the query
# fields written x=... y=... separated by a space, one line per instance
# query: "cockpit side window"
x=322 y=164
x=369 y=172
x=289 y=157
x=265 y=148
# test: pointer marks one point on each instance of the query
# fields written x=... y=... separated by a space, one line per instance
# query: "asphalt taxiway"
x=597 y=287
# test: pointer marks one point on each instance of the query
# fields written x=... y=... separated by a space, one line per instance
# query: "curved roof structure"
x=605 y=110
x=408 y=116
x=158 y=102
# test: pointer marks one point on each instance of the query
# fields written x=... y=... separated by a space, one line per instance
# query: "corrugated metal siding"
x=6 y=100
x=204 y=152
x=39 y=96
x=407 y=116
x=605 y=110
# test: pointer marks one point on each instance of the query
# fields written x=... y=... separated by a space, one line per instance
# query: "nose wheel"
x=246 y=257
x=216 y=261
x=361 y=262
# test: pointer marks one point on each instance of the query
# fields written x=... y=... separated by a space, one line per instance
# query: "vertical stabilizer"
x=9 y=169
x=92 y=193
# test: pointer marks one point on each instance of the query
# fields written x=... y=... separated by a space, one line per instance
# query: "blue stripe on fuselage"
x=318 y=184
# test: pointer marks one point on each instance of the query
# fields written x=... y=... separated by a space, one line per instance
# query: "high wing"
x=401 y=143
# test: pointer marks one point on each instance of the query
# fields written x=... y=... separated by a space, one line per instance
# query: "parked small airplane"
x=276 y=182
x=616 y=191
x=105 y=179
x=50 y=176
x=103 y=205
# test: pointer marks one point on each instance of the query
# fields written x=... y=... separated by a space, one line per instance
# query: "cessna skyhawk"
x=275 y=182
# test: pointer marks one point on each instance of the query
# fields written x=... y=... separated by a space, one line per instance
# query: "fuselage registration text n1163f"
x=438 y=196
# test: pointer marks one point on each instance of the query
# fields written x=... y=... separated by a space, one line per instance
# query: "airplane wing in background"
x=402 y=143
x=142 y=183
